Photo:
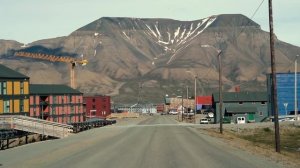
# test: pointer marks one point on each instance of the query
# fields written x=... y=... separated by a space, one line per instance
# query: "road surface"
x=156 y=142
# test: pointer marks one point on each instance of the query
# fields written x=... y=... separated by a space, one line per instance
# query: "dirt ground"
x=233 y=138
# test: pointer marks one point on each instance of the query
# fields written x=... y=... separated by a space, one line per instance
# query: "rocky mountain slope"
x=142 y=60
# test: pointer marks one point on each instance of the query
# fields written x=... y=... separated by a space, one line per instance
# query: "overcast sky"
x=30 y=20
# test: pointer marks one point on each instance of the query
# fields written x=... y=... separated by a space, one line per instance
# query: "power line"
x=256 y=10
x=251 y=18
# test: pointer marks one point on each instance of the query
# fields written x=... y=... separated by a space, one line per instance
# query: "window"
x=260 y=113
x=70 y=119
x=72 y=109
x=0 y=88
x=21 y=105
x=22 y=87
x=54 y=100
x=263 y=102
x=4 y=89
x=70 y=98
x=94 y=100
x=94 y=107
x=6 y=106
x=52 y=110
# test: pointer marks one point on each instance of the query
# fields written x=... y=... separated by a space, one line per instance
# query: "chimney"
x=237 y=88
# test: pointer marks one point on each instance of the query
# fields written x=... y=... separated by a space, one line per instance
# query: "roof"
x=205 y=100
x=241 y=109
x=241 y=96
x=51 y=89
x=6 y=72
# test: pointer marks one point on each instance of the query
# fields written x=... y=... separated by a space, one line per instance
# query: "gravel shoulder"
x=230 y=137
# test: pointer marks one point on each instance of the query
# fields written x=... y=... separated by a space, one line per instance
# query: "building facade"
x=58 y=103
x=14 y=92
x=252 y=106
x=176 y=103
x=285 y=83
x=204 y=102
x=97 y=106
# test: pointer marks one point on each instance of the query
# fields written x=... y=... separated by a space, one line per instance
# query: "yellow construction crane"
x=72 y=62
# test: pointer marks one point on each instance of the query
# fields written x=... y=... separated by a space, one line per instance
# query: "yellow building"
x=14 y=92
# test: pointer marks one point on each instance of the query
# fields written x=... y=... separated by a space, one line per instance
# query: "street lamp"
x=181 y=104
x=296 y=102
x=220 y=84
x=195 y=94
x=285 y=107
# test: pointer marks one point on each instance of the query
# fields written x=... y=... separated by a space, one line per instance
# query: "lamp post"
x=195 y=97
x=285 y=107
x=181 y=103
x=296 y=101
x=220 y=84
x=195 y=94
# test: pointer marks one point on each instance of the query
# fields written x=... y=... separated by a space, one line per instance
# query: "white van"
x=240 y=120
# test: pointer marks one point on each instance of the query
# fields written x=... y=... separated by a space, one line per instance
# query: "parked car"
x=173 y=112
x=163 y=113
x=203 y=121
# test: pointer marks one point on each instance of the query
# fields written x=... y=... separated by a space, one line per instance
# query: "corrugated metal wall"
x=285 y=92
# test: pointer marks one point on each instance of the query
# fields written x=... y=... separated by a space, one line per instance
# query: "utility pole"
x=274 y=87
x=220 y=85
x=296 y=83
x=220 y=91
x=182 y=109
x=195 y=96
x=187 y=92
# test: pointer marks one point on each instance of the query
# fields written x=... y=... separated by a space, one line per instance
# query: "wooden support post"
x=7 y=143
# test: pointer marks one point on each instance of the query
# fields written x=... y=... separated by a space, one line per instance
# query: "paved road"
x=150 y=144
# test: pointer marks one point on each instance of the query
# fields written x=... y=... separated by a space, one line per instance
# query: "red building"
x=160 y=108
x=58 y=103
x=204 y=102
x=97 y=106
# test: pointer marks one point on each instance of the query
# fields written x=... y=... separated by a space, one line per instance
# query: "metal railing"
x=29 y=124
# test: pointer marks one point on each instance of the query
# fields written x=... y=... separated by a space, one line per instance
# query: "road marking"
x=152 y=125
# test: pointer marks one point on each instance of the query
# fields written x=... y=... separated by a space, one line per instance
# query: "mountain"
x=142 y=60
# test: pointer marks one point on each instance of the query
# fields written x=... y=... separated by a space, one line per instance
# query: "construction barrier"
x=123 y=115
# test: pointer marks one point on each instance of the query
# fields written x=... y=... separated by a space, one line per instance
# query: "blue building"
x=285 y=83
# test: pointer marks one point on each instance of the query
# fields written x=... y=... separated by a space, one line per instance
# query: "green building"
x=251 y=106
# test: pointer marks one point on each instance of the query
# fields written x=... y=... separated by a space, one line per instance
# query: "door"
x=251 y=117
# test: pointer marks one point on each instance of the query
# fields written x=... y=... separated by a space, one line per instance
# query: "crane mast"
x=53 y=58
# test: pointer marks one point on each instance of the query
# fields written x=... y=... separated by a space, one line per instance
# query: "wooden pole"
x=274 y=87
